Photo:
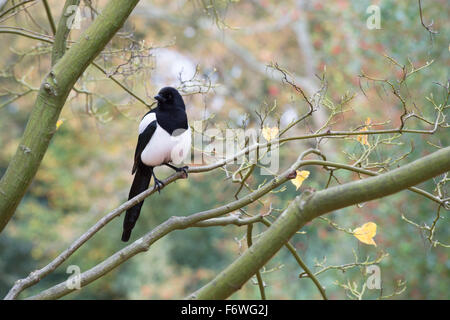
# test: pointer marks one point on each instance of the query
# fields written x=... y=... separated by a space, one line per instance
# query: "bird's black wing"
x=143 y=140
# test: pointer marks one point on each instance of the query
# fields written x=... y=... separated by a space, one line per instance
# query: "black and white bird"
x=164 y=138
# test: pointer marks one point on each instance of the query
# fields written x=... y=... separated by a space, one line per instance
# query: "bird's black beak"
x=159 y=98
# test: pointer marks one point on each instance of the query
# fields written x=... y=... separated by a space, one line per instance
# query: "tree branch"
x=57 y=52
x=258 y=273
x=51 y=98
x=2 y=14
x=311 y=205
x=37 y=275
x=302 y=265
x=59 y=45
x=174 y=223
x=225 y=221
x=439 y=161
x=49 y=16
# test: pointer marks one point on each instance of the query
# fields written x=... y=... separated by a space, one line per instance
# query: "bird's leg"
x=158 y=183
x=181 y=169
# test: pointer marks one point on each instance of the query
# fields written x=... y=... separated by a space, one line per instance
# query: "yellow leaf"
x=59 y=123
x=301 y=176
x=363 y=139
x=366 y=232
x=269 y=133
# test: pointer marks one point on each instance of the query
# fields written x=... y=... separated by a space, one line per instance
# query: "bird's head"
x=169 y=98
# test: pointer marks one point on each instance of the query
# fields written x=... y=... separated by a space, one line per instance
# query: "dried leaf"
x=59 y=123
x=363 y=139
x=270 y=133
x=366 y=232
x=298 y=180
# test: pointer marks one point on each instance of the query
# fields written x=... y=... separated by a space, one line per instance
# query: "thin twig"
x=258 y=273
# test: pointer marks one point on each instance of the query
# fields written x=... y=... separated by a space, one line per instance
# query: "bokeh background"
x=86 y=171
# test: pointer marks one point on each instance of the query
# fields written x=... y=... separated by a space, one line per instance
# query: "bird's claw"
x=184 y=170
x=159 y=184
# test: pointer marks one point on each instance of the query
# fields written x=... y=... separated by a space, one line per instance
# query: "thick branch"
x=225 y=221
x=49 y=102
x=311 y=205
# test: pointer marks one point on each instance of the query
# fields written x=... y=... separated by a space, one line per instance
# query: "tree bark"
x=59 y=45
x=51 y=98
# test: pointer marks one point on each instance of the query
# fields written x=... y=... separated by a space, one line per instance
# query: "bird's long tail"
x=140 y=183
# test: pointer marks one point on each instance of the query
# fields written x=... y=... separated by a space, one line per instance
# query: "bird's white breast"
x=163 y=147
x=146 y=121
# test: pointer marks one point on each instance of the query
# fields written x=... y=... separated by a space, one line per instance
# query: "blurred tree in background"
x=219 y=56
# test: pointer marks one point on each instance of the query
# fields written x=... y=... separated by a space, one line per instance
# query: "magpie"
x=164 y=138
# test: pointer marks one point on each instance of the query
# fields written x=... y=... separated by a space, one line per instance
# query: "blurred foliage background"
x=87 y=169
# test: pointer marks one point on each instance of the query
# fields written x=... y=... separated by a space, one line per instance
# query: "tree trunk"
x=52 y=95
